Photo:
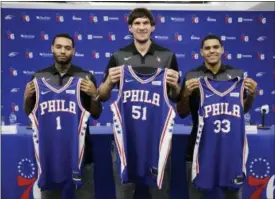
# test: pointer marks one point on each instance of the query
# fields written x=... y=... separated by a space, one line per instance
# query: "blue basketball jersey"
x=59 y=123
x=221 y=148
x=143 y=124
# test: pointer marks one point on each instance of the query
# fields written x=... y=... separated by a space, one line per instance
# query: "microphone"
x=264 y=111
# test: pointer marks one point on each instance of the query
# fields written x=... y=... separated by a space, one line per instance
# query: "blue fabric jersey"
x=59 y=123
x=143 y=125
x=221 y=148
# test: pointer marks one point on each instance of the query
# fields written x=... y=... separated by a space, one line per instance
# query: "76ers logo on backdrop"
x=78 y=36
x=228 y=19
x=26 y=178
x=244 y=38
x=59 y=18
x=13 y=72
x=44 y=36
x=195 y=55
x=95 y=55
x=14 y=107
x=161 y=19
x=111 y=36
x=195 y=19
x=178 y=37
x=261 y=56
x=25 y=18
x=227 y=55
x=261 y=180
x=29 y=54
x=125 y=18
x=10 y=35
x=262 y=20
x=93 y=18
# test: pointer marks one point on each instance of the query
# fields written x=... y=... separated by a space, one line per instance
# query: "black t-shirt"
x=157 y=57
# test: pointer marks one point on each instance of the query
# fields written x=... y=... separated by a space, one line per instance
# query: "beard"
x=63 y=61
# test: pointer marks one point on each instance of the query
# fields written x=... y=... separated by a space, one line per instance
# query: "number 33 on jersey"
x=143 y=124
x=221 y=148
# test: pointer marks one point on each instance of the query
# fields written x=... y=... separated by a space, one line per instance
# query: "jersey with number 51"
x=221 y=149
x=59 y=122
x=143 y=125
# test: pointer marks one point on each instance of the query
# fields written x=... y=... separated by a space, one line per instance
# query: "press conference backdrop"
x=27 y=35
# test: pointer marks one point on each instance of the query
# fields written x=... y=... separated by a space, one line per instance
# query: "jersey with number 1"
x=143 y=124
x=221 y=149
x=59 y=122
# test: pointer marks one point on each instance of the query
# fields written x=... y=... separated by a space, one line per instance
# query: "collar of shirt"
x=70 y=72
x=134 y=50
x=222 y=69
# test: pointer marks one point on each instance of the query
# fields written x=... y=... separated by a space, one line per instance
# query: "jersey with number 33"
x=143 y=123
x=59 y=123
x=221 y=149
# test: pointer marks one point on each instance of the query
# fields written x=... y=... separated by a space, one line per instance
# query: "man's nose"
x=63 y=50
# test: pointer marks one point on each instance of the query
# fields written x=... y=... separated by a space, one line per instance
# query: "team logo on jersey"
x=57 y=106
x=144 y=96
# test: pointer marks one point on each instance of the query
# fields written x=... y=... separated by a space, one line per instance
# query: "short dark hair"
x=63 y=35
x=211 y=36
x=141 y=13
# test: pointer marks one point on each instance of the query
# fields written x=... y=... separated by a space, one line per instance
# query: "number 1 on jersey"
x=58 y=123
